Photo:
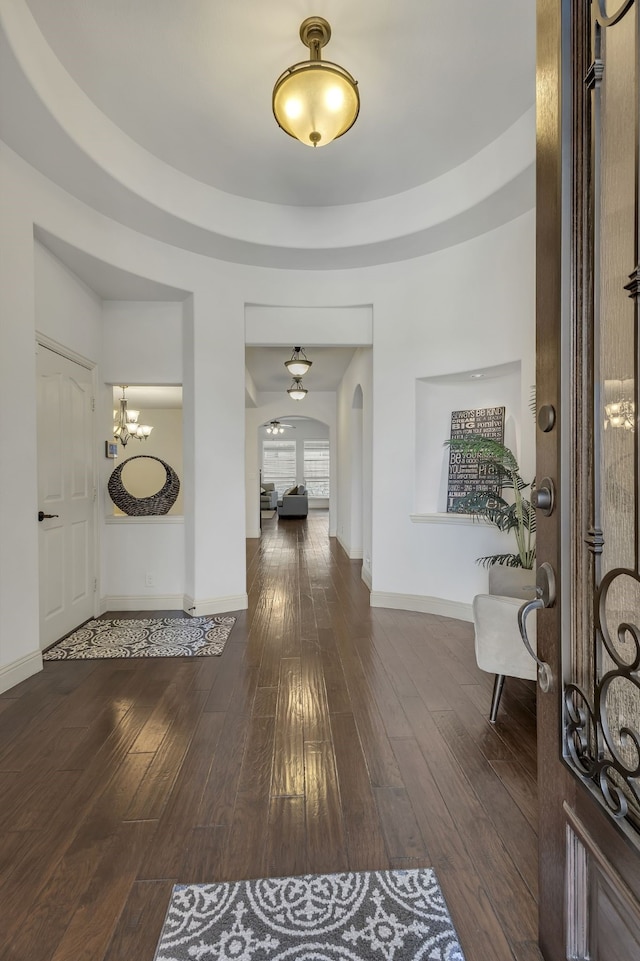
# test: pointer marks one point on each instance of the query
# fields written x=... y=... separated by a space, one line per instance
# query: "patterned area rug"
x=145 y=637
x=369 y=916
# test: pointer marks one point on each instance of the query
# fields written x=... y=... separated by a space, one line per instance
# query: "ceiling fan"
x=275 y=427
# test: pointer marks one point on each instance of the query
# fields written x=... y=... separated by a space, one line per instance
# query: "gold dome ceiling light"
x=315 y=101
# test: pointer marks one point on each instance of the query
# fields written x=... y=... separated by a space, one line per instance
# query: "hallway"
x=328 y=736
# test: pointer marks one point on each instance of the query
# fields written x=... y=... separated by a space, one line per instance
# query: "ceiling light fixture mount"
x=297 y=391
x=125 y=423
x=315 y=101
x=299 y=364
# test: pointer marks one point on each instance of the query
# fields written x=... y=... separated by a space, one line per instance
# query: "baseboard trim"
x=355 y=554
x=142 y=602
x=422 y=604
x=366 y=577
x=215 y=605
x=20 y=670
x=253 y=533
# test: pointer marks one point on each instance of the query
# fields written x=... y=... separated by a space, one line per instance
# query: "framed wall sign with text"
x=466 y=475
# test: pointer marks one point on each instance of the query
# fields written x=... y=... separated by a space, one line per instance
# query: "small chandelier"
x=298 y=365
x=125 y=423
x=274 y=427
x=315 y=101
x=297 y=391
x=621 y=413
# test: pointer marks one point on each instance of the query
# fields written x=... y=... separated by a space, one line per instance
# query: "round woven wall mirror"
x=159 y=503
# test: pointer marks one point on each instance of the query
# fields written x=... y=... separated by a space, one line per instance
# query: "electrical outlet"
x=149 y=580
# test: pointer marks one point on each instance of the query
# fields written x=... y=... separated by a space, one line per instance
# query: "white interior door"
x=66 y=491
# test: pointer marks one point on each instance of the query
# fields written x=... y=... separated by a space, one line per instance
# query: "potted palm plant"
x=516 y=515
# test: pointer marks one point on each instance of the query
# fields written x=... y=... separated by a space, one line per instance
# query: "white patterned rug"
x=144 y=637
x=368 y=916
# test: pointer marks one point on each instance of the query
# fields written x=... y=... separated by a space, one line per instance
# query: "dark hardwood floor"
x=329 y=736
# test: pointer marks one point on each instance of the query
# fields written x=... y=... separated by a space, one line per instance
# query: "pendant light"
x=298 y=365
x=297 y=391
x=315 y=101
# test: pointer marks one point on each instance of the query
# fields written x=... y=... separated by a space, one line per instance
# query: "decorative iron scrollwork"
x=595 y=73
x=634 y=284
x=603 y=749
x=609 y=19
x=595 y=540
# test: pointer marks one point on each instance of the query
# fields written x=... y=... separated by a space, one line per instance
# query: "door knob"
x=543 y=497
x=42 y=516
x=545 y=597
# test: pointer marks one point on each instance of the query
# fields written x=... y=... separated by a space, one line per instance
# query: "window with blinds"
x=279 y=464
x=316 y=467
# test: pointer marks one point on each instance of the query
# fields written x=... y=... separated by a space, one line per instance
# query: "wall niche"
x=436 y=398
x=161 y=407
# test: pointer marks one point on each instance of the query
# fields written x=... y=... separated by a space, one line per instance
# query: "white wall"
x=355 y=440
x=142 y=342
x=357 y=521
x=145 y=563
x=461 y=308
x=66 y=310
x=333 y=325
x=19 y=628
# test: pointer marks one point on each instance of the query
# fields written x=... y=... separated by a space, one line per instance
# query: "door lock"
x=545 y=597
x=543 y=497
x=42 y=516
x=546 y=418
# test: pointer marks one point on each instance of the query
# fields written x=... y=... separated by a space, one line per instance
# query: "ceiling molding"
x=92 y=158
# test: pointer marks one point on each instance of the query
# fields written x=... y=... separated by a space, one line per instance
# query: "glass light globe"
x=316 y=101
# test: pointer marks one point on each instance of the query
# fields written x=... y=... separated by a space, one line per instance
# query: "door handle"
x=545 y=597
x=42 y=516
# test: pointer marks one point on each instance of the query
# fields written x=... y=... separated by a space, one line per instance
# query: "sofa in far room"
x=268 y=497
x=294 y=503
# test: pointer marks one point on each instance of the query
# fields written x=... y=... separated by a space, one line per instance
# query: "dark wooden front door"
x=588 y=294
